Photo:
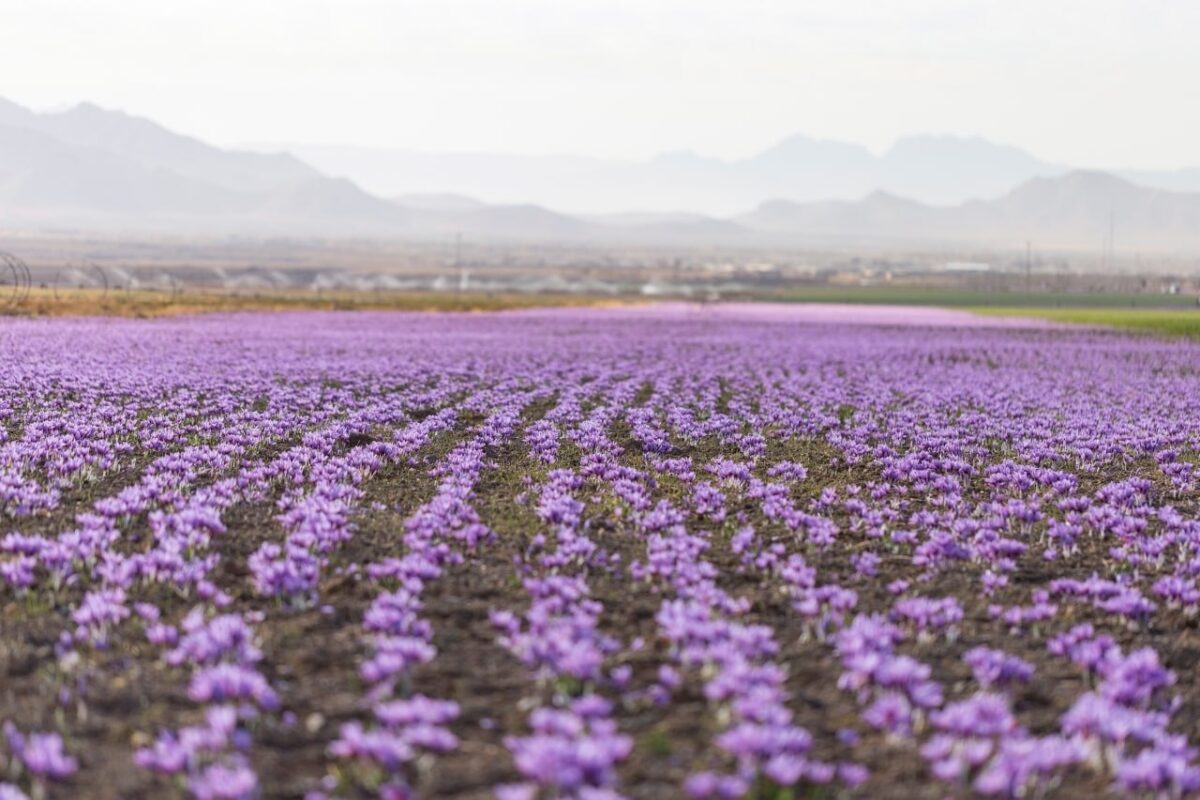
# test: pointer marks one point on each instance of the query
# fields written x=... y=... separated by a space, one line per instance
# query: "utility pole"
x=1028 y=267
x=1112 y=240
x=463 y=276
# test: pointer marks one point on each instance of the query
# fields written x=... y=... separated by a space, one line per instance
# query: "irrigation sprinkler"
x=97 y=274
x=175 y=289
x=15 y=281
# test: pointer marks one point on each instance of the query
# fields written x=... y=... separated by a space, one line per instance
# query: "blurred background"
x=966 y=153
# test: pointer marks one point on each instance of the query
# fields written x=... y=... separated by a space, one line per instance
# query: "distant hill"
x=528 y=222
x=878 y=215
x=154 y=147
x=1074 y=210
x=935 y=170
x=89 y=166
x=40 y=173
x=945 y=170
x=327 y=199
x=92 y=169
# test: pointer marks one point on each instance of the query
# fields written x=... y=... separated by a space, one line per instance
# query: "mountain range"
x=88 y=168
x=1077 y=210
x=936 y=170
x=93 y=168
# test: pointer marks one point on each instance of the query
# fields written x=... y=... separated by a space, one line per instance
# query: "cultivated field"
x=1159 y=321
x=648 y=552
x=1160 y=314
x=962 y=297
x=144 y=303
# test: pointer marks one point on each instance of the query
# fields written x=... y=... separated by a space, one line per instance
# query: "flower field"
x=655 y=552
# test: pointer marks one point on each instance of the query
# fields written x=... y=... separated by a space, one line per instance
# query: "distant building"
x=966 y=266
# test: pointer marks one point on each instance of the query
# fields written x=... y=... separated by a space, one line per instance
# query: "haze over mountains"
x=937 y=170
x=93 y=169
x=1072 y=211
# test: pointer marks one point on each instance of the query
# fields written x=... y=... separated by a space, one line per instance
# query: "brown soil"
x=122 y=696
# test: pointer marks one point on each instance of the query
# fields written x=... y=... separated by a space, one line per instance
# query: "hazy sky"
x=1103 y=83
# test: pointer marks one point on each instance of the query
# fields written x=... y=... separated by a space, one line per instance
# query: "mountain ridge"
x=151 y=145
x=95 y=168
x=1078 y=209
x=933 y=169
